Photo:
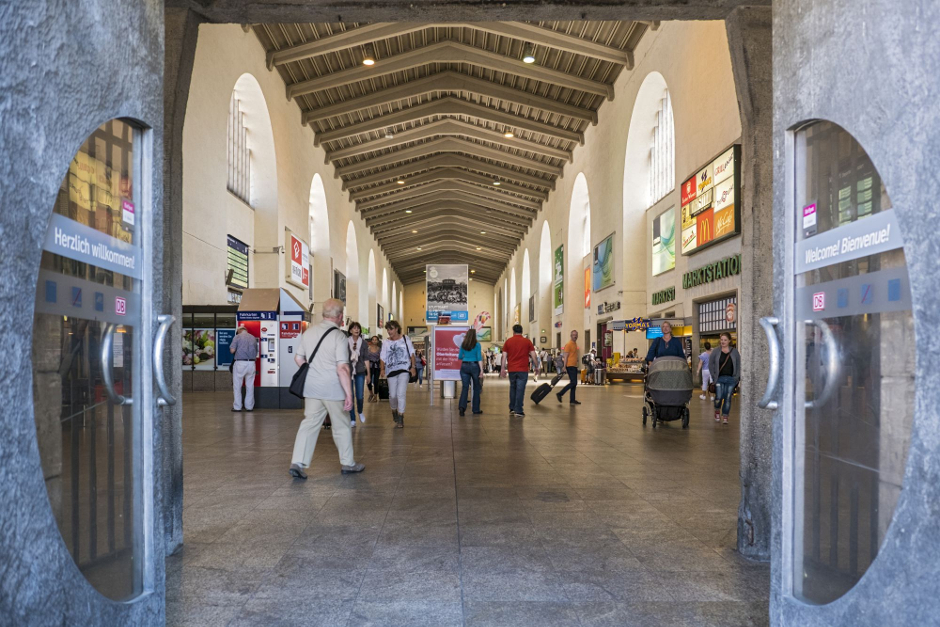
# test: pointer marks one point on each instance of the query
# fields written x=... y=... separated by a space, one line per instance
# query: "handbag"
x=712 y=385
x=299 y=379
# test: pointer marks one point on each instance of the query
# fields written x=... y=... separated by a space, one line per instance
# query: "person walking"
x=373 y=356
x=398 y=366
x=471 y=371
x=665 y=346
x=570 y=354
x=244 y=348
x=518 y=352
x=327 y=390
x=725 y=368
x=358 y=359
x=420 y=364
x=704 y=371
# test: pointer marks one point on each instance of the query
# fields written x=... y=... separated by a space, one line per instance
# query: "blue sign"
x=654 y=332
x=223 y=340
x=257 y=315
x=455 y=316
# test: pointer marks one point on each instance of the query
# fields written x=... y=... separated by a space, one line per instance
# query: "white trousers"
x=243 y=372
x=706 y=379
x=315 y=412
x=397 y=387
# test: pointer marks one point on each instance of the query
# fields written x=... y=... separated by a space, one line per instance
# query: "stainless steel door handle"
x=833 y=365
x=164 y=398
x=769 y=323
x=107 y=344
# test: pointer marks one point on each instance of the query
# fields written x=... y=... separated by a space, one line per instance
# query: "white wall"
x=223 y=54
x=694 y=60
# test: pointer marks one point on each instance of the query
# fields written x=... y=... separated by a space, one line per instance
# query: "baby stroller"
x=668 y=391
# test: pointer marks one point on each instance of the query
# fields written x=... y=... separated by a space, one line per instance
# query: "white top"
x=322 y=379
x=397 y=354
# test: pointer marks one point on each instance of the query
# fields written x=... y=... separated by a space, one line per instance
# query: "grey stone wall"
x=67 y=67
x=871 y=67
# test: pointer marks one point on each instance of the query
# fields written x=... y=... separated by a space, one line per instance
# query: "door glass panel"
x=854 y=360
x=87 y=362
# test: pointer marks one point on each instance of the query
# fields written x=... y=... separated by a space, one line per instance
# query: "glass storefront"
x=207 y=333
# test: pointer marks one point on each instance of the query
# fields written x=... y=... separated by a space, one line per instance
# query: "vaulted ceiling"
x=449 y=142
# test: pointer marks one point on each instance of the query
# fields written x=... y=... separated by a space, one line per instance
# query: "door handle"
x=769 y=324
x=164 y=398
x=833 y=366
x=107 y=344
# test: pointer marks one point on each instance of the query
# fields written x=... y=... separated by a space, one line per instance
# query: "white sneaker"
x=352 y=423
x=362 y=418
x=702 y=397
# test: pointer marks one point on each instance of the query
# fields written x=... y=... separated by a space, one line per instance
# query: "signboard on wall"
x=447 y=341
x=339 y=286
x=587 y=288
x=517 y=314
x=711 y=210
x=603 y=267
x=664 y=241
x=532 y=308
x=298 y=260
x=446 y=289
x=236 y=263
x=558 y=281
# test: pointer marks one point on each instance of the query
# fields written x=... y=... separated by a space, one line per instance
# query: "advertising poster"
x=532 y=308
x=201 y=346
x=587 y=288
x=558 y=281
x=604 y=262
x=223 y=341
x=339 y=285
x=485 y=334
x=447 y=341
x=447 y=292
x=664 y=241
x=517 y=314
x=298 y=260
x=710 y=209
x=380 y=316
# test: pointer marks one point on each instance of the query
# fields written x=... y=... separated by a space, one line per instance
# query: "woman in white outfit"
x=398 y=366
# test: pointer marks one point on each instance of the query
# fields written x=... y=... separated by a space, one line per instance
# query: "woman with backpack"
x=358 y=358
x=725 y=369
x=374 y=357
x=398 y=366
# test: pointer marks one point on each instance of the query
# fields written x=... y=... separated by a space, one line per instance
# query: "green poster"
x=558 y=280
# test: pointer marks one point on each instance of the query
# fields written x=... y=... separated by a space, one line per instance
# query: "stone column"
x=182 y=28
x=750 y=42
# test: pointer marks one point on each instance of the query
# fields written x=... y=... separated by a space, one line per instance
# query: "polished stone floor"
x=569 y=516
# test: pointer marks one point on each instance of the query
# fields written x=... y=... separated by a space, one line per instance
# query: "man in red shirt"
x=517 y=351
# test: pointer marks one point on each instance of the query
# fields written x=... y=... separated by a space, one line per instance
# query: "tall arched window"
x=239 y=154
x=662 y=153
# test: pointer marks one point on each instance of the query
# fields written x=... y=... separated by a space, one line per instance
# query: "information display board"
x=236 y=263
x=447 y=341
x=446 y=291
x=711 y=208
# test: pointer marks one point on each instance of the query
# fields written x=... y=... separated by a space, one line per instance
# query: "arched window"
x=239 y=154
x=662 y=153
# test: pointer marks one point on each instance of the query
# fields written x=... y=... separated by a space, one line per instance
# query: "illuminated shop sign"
x=711 y=210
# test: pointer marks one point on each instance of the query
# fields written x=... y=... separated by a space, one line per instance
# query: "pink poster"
x=447 y=341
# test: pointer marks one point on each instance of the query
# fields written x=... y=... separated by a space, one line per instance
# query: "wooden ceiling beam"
x=545 y=37
x=455 y=174
x=450 y=80
x=474 y=204
x=449 y=52
x=450 y=185
x=447 y=160
x=447 y=208
x=341 y=41
x=448 y=126
x=448 y=144
x=449 y=106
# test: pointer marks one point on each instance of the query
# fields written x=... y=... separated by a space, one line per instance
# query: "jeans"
x=374 y=371
x=470 y=371
x=517 y=381
x=724 y=390
x=420 y=372
x=572 y=383
x=358 y=383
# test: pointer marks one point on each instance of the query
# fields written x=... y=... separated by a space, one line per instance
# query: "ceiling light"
x=389 y=134
x=369 y=57
x=508 y=135
x=400 y=182
x=407 y=210
x=528 y=54
x=414 y=231
x=479 y=248
x=496 y=183
x=473 y=272
x=471 y=278
x=419 y=248
x=482 y=232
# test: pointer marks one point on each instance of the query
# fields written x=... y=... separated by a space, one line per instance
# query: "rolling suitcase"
x=542 y=391
x=383 y=389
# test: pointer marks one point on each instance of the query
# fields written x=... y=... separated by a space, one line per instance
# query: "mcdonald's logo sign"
x=704 y=228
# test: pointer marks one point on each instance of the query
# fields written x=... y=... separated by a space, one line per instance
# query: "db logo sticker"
x=819 y=301
x=120 y=306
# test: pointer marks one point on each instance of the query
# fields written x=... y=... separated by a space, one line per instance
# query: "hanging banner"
x=558 y=281
x=447 y=341
x=604 y=263
x=664 y=241
x=587 y=287
x=446 y=290
x=298 y=260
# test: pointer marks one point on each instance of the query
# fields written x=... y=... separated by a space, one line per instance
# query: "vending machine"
x=278 y=320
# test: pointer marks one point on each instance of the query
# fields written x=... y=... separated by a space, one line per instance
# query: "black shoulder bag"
x=299 y=379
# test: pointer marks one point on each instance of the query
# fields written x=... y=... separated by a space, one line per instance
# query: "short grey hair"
x=333 y=308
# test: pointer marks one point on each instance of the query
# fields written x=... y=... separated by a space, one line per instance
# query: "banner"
x=447 y=341
x=664 y=241
x=298 y=260
x=517 y=314
x=604 y=262
x=532 y=308
x=558 y=281
x=446 y=290
x=587 y=287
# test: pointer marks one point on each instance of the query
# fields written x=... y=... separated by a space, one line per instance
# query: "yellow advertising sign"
x=688 y=221
x=724 y=221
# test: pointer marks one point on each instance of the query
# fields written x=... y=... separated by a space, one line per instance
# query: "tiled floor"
x=569 y=516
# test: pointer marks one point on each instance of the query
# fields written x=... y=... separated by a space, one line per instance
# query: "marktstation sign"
x=664 y=296
x=729 y=266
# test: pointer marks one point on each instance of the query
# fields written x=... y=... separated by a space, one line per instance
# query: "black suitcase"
x=383 y=389
x=542 y=391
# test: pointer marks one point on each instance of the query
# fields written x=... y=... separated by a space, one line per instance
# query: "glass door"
x=852 y=352
x=90 y=370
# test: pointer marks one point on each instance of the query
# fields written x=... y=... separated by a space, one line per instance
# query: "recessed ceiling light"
x=389 y=134
x=407 y=210
x=471 y=278
x=479 y=248
x=496 y=183
x=482 y=232
x=369 y=57
x=419 y=248
x=414 y=231
x=400 y=182
x=508 y=134
x=473 y=272
x=528 y=54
